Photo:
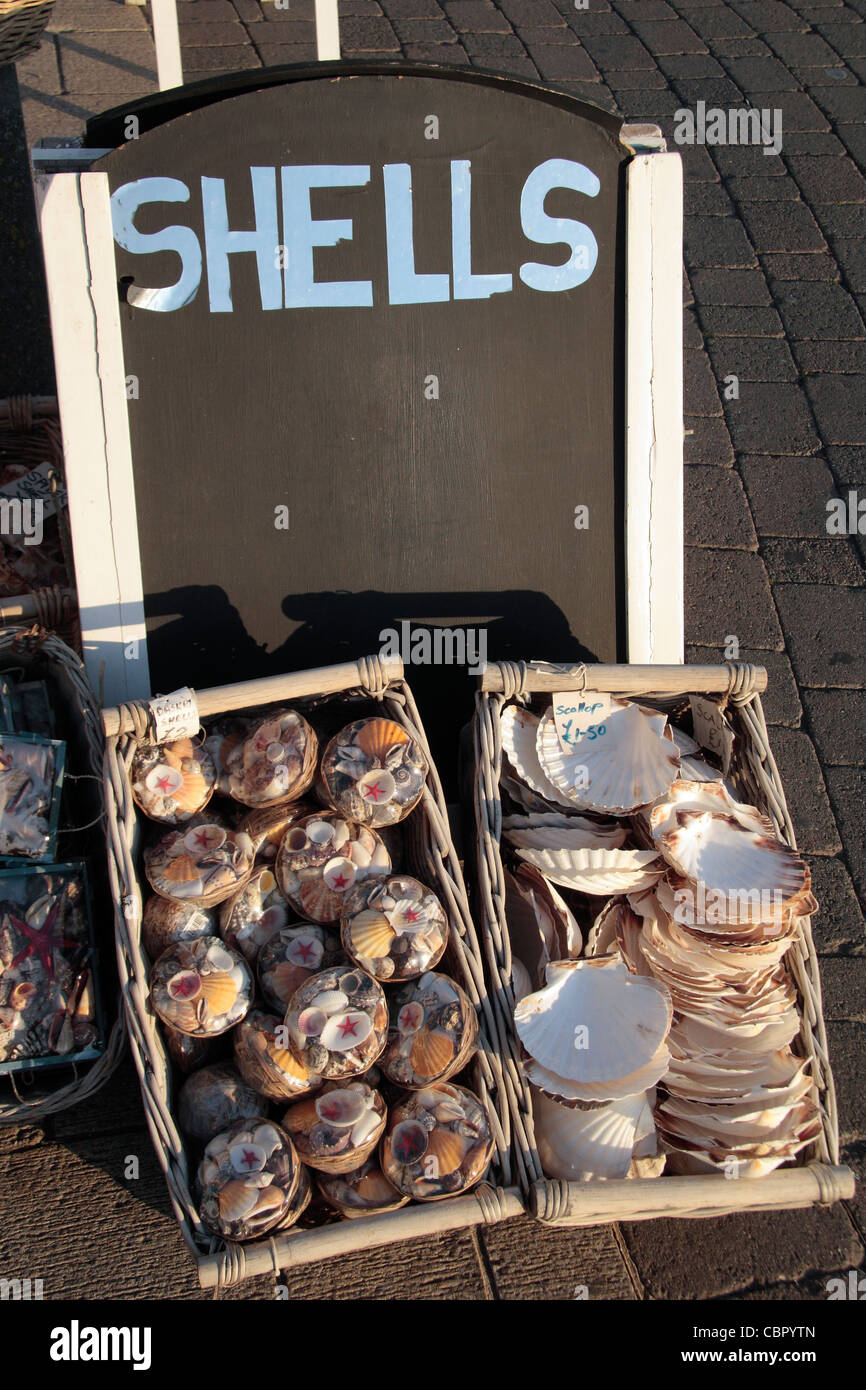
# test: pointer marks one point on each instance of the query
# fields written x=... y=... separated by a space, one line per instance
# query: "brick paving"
x=774 y=293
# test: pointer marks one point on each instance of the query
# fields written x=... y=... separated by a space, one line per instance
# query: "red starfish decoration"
x=249 y=1158
x=202 y=838
x=331 y=1112
x=304 y=949
x=186 y=986
x=164 y=784
x=412 y=915
x=374 y=791
x=41 y=941
x=349 y=1027
x=341 y=882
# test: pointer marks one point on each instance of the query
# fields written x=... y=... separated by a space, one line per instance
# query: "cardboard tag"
x=35 y=485
x=175 y=715
x=580 y=716
x=712 y=730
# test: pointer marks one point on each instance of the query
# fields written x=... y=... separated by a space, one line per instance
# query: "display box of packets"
x=302 y=979
x=31 y=785
x=645 y=918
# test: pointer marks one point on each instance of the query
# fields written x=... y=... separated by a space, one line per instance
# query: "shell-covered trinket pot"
x=254 y=914
x=432 y=1031
x=172 y=781
x=273 y=761
x=267 y=826
x=395 y=928
x=201 y=987
x=265 y=1060
x=214 y=1098
x=437 y=1144
x=336 y=1130
x=374 y=772
x=338 y=1022
x=292 y=956
x=321 y=858
x=48 y=1008
x=165 y=923
x=248 y=1178
x=204 y=863
x=362 y=1192
x=31 y=778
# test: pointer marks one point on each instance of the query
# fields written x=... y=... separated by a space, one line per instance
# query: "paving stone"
x=845 y=1044
x=821 y=356
x=757 y=190
x=818 y=311
x=853 y=1155
x=851 y=256
x=555 y=60
x=847 y=787
x=516 y=66
x=815 y=142
x=717 y=92
x=697 y=164
x=638 y=80
x=838 y=722
x=111 y=63
x=769 y=17
x=727 y=592
x=717 y=22
x=693 y=338
x=716 y=512
x=424 y=31
x=668 y=36
x=752 y=359
x=800 y=266
x=808 y=50
x=824 y=626
x=94 y=16
x=248 y=10
x=532 y=1262
x=799 y=112
x=746 y=160
x=791 y=560
x=731 y=288
x=397 y=9
x=839 y=403
x=839 y=924
x=212 y=60
x=761 y=75
x=652 y=106
x=716 y=242
x=49 y=116
x=40 y=70
x=615 y=52
x=359 y=34
x=788 y=495
x=707 y=441
x=849 y=465
x=780 y=701
x=632 y=10
x=854 y=139
x=816 y=77
x=738 y=48
x=849 y=40
x=275 y=55
x=841 y=103
x=201 y=35
x=207 y=12
x=596 y=93
x=700 y=394
x=449 y=54
x=684 y=65
x=749 y=1248
x=805 y=793
x=589 y=22
x=786 y=227
x=476 y=17
x=494 y=46
x=771 y=418
x=846 y=220
x=707 y=200
x=828 y=180
x=753 y=321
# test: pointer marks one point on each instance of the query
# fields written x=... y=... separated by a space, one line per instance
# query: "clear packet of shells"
x=31 y=785
x=292 y=970
x=49 y=1004
x=649 y=912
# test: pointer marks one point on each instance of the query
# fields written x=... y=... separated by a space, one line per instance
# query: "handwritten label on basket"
x=712 y=730
x=35 y=485
x=580 y=716
x=175 y=715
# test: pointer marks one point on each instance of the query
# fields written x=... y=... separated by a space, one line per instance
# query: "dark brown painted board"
x=451 y=511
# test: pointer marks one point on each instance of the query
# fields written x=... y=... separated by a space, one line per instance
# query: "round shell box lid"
x=254 y=914
x=265 y=1060
x=361 y=1192
x=374 y=772
x=321 y=858
x=164 y=923
x=275 y=762
x=292 y=956
x=214 y=1098
x=432 y=1031
x=437 y=1144
x=339 y=1128
x=204 y=863
x=248 y=1177
x=171 y=782
x=201 y=987
x=338 y=1022
x=395 y=928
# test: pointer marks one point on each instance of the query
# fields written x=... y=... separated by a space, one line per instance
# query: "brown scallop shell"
x=431 y=1053
x=378 y=736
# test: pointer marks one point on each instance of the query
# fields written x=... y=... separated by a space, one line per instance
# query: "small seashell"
x=410 y=1018
x=185 y=985
x=163 y=780
x=182 y=869
x=330 y=1001
x=220 y=991
x=376 y=737
x=236 y=1201
x=377 y=788
x=409 y=1141
x=370 y=935
x=319 y=832
x=247 y=1158
x=305 y=950
x=267 y=1138
x=344 y=1031
x=342 y=1108
x=270 y=1199
x=448 y=1149
x=205 y=838
x=368 y=1122
x=431 y=1053
x=311 y=1022
x=23 y=991
x=339 y=874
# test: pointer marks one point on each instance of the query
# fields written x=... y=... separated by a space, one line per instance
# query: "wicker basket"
x=817 y=1176
x=434 y=859
x=22 y=23
x=45 y=657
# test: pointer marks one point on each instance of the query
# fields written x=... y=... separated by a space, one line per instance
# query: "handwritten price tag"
x=712 y=730
x=580 y=716
x=175 y=715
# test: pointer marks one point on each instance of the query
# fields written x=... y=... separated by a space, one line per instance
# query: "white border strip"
x=654 y=410
x=78 y=246
x=166 y=39
x=327 y=30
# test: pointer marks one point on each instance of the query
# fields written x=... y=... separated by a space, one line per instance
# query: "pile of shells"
x=29 y=770
x=47 y=1000
x=278 y=920
x=705 y=901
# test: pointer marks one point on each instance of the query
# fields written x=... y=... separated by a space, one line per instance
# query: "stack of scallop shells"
x=636 y=835
x=294 y=972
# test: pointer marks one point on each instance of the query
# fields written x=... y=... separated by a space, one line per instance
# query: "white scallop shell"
x=686 y=795
x=566 y=1091
x=579 y=1145
x=597 y=870
x=761 y=879
x=519 y=729
x=586 y=835
x=632 y=765
x=594 y=1022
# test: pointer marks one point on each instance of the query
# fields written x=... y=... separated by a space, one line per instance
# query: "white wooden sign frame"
x=78 y=245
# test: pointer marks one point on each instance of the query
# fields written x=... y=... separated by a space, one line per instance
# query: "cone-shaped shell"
x=378 y=736
x=630 y=766
x=594 y=1022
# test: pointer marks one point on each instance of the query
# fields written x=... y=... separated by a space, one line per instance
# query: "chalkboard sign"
x=373 y=341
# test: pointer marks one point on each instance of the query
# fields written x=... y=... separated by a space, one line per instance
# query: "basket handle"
x=371 y=673
x=737 y=679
